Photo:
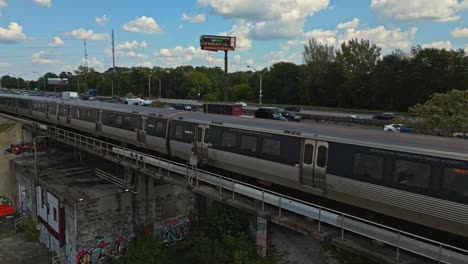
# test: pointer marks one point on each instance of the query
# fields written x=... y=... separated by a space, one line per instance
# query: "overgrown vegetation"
x=346 y=257
x=144 y=250
x=447 y=112
x=5 y=126
x=219 y=237
x=30 y=228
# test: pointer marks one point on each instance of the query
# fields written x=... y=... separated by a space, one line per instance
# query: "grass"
x=5 y=126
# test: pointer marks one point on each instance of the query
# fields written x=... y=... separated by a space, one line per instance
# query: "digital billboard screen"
x=209 y=42
x=57 y=81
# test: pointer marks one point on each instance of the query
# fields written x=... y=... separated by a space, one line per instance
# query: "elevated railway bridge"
x=327 y=224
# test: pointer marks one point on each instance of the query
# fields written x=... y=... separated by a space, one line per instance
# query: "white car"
x=393 y=127
x=242 y=103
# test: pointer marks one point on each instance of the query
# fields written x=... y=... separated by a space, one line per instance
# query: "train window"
x=322 y=156
x=179 y=131
x=248 y=143
x=308 y=154
x=118 y=120
x=127 y=122
x=412 y=173
x=228 y=140
x=52 y=108
x=271 y=146
x=208 y=136
x=368 y=166
x=63 y=110
x=455 y=181
x=199 y=134
x=160 y=129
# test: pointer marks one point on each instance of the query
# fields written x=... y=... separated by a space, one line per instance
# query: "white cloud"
x=132 y=45
x=383 y=37
x=237 y=58
x=94 y=63
x=182 y=56
x=12 y=34
x=439 y=45
x=462 y=5
x=198 y=18
x=350 y=24
x=241 y=31
x=88 y=34
x=322 y=36
x=4 y=65
x=3 y=4
x=57 y=42
x=102 y=20
x=146 y=25
x=125 y=52
x=270 y=19
x=180 y=27
x=45 y=3
x=39 y=58
x=459 y=32
x=438 y=10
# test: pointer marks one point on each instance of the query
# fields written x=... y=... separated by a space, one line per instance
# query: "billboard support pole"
x=225 y=75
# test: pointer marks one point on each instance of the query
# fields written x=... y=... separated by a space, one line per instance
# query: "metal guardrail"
x=401 y=240
x=58 y=260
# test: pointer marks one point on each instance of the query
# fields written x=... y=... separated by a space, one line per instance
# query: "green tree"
x=321 y=79
x=281 y=83
x=145 y=249
x=447 y=112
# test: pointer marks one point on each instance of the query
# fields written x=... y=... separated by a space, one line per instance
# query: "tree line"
x=356 y=75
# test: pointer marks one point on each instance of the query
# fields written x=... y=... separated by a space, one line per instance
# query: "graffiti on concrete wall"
x=172 y=232
x=169 y=234
x=6 y=206
x=104 y=250
x=6 y=200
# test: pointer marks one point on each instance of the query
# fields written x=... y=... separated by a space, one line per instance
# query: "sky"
x=40 y=36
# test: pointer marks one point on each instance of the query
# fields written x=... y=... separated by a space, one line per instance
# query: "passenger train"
x=421 y=179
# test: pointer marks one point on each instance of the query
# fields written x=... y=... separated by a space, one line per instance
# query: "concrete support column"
x=261 y=239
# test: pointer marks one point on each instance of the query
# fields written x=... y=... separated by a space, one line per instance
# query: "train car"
x=421 y=179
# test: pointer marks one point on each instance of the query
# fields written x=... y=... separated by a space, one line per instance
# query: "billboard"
x=208 y=42
x=57 y=81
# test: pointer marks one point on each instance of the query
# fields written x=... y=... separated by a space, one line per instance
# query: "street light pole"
x=149 y=86
x=260 y=95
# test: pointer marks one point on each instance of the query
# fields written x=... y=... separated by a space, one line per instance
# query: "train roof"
x=421 y=144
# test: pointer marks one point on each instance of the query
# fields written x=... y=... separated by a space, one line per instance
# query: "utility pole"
x=113 y=53
x=149 y=86
x=225 y=75
x=86 y=64
x=113 y=64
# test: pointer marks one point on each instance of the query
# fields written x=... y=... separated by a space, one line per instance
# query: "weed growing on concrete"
x=32 y=233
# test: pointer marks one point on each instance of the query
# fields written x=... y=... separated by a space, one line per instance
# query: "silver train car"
x=421 y=179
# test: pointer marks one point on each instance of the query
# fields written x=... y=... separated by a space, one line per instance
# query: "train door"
x=99 y=121
x=141 y=133
x=314 y=161
x=201 y=147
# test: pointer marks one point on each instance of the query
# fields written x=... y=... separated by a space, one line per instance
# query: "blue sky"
x=48 y=35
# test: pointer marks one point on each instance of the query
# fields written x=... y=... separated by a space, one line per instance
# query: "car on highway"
x=398 y=128
x=384 y=116
x=169 y=107
x=184 y=107
x=353 y=117
x=290 y=116
x=242 y=103
x=293 y=108
x=269 y=113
